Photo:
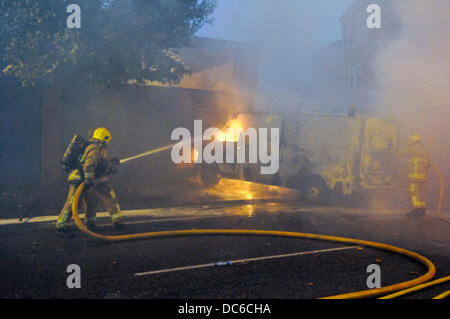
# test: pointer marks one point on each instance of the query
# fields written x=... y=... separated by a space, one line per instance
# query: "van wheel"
x=210 y=175
x=315 y=190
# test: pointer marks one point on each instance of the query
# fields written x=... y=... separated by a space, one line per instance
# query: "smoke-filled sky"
x=413 y=70
x=414 y=73
x=287 y=32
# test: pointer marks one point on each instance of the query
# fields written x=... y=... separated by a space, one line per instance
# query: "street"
x=221 y=157
x=34 y=259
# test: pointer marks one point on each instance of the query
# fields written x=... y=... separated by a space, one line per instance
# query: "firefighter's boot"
x=417 y=213
x=421 y=212
x=412 y=213
x=65 y=232
x=117 y=220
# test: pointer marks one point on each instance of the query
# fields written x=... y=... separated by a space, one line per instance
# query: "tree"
x=118 y=40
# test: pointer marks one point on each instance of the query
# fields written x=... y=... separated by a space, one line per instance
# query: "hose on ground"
x=417 y=288
x=431 y=269
x=443 y=295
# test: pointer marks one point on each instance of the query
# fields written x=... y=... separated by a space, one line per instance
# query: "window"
x=354 y=75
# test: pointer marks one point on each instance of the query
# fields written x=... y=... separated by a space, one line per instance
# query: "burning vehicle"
x=320 y=153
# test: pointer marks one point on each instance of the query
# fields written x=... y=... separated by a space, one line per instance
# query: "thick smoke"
x=414 y=73
x=286 y=33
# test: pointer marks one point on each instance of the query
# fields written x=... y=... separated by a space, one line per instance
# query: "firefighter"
x=418 y=164
x=94 y=168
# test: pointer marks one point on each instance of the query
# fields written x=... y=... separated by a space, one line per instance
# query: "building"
x=329 y=75
x=343 y=71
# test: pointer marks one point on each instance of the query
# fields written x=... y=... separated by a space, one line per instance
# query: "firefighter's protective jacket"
x=94 y=161
x=418 y=161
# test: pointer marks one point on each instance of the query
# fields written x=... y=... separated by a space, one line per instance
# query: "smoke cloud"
x=413 y=73
x=287 y=33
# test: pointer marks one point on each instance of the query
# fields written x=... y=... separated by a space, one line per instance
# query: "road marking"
x=166 y=220
x=163 y=213
x=131 y=213
x=53 y=218
x=40 y=219
x=240 y=261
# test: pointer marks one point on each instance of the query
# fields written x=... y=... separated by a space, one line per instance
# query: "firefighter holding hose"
x=88 y=162
x=418 y=164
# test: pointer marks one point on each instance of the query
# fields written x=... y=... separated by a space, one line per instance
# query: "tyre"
x=315 y=190
x=210 y=175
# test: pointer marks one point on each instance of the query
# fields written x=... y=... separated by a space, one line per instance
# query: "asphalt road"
x=34 y=260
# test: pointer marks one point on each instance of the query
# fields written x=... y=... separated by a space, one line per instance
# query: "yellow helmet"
x=102 y=134
x=414 y=138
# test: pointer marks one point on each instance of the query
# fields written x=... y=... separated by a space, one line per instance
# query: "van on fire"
x=320 y=153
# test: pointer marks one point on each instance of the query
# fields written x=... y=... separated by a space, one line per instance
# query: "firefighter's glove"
x=112 y=167
x=115 y=161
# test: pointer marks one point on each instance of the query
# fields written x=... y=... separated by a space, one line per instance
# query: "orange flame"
x=231 y=132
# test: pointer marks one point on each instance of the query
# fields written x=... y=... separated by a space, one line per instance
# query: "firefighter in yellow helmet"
x=418 y=164
x=94 y=168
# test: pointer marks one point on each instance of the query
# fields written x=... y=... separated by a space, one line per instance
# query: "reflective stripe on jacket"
x=417 y=169
x=418 y=161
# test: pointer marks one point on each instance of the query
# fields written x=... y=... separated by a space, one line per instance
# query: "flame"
x=194 y=155
x=231 y=132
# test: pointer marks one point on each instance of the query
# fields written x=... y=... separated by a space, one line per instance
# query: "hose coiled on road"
x=431 y=269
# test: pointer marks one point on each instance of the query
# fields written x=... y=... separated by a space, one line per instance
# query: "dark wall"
x=37 y=125
x=141 y=118
x=20 y=137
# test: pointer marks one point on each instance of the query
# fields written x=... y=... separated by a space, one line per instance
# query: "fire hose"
x=156 y=150
x=395 y=288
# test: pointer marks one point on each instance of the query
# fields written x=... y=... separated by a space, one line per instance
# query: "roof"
x=206 y=53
